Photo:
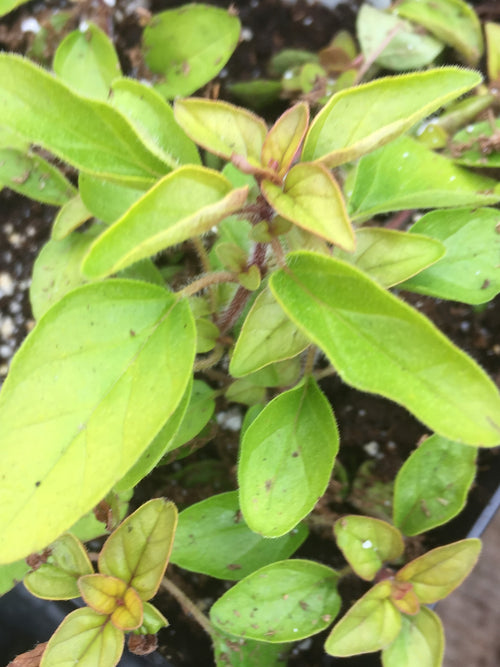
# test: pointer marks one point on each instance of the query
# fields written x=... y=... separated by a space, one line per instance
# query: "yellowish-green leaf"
x=87 y=62
x=452 y=21
x=88 y=134
x=358 y=120
x=379 y=344
x=86 y=638
x=438 y=572
x=312 y=200
x=77 y=408
x=57 y=578
x=404 y=598
x=267 y=336
x=419 y=644
x=367 y=543
x=370 y=625
x=113 y=597
x=71 y=216
x=138 y=550
x=185 y=203
x=222 y=128
x=285 y=138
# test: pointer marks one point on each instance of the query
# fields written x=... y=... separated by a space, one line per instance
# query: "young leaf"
x=312 y=200
x=87 y=62
x=152 y=620
x=71 y=216
x=162 y=443
x=286 y=459
x=379 y=344
x=111 y=342
x=432 y=485
x=284 y=139
x=438 y=572
x=420 y=642
x=469 y=272
x=492 y=31
x=107 y=200
x=188 y=64
x=88 y=134
x=86 y=637
x=32 y=176
x=281 y=602
x=153 y=120
x=222 y=128
x=452 y=21
x=57 y=578
x=111 y=596
x=371 y=623
x=183 y=204
x=409 y=47
x=367 y=543
x=57 y=270
x=213 y=538
x=389 y=256
x=267 y=336
x=358 y=120
x=406 y=174
x=138 y=550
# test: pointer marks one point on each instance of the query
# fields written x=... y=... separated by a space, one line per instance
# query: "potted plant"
x=279 y=244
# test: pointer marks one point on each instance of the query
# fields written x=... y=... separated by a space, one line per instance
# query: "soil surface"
x=372 y=429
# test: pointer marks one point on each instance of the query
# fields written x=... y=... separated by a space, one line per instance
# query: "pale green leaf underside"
x=357 y=120
x=405 y=174
x=185 y=203
x=379 y=344
x=77 y=408
x=88 y=134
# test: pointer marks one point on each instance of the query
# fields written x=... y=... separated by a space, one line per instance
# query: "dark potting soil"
x=375 y=433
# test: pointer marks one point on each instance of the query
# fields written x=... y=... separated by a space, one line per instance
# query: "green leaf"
x=138 y=550
x=86 y=637
x=379 y=344
x=152 y=621
x=77 y=408
x=408 y=49
x=111 y=596
x=267 y=336
x=389 y=256
x=286 y=459
x=492 y=32
x=246 y=652
x=71 y=216
x=106 y=200
x=57 y=578
x=438 y=572
x=213 y=538
x=371 y=623
x=189 y=63
x=88 y=134
x=358 y=120
x=476 y=145
x=284 y=139
x=32 y=176
x=162 y=443
x=183 y=204
x=153 y=120
x=469 y=272
x=57 y=270
x=7 y=6
x=432 y=486
x=406 y=174
x=367 y=543
x=281 y=602
x=87 y=62
x=222 y=128
x=419 y=644
x=197 y=414
x=256 y=94
x=312 y=200
x=454 y=22
x=11 y=574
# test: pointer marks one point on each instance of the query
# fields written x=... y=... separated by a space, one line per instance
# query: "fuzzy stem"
x=202 y=254
x=207 y=280
x=278 y=251
x=188 y=605
x=213 y=358
x=323 y=373
x=310 y=359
